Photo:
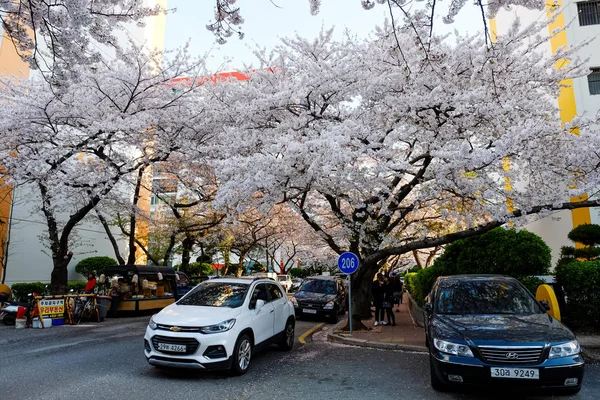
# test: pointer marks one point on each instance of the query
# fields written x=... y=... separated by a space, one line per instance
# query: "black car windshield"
x=319 y=286
x=216 y=294
x=484 y=297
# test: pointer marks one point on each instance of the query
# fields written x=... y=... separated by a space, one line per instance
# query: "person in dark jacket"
x=388 y=301
x=378 y=293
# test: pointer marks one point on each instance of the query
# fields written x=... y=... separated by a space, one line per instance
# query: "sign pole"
x=348 y=264
x=350 y=302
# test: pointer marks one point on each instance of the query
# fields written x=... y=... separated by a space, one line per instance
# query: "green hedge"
x=581 y=284
x=21 y=290
x=408 y=281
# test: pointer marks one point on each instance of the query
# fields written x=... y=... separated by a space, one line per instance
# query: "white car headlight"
x=565 y=349
x=452 y=348
x=220 y=327
x=294 y=302
x=329 y=306
x=152 y=325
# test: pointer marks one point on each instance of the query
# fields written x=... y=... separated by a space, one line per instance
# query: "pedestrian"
x=397 y=286
x=115 y=296
x=388 y=302
x=91 y=284
x=378 y=293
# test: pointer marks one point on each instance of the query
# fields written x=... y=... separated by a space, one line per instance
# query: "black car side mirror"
x=545 y=304
x=428 y=308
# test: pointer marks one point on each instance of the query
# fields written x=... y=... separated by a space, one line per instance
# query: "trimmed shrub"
x=22 y=290
x=77 y=286
x=298 y=273
x=581 y=284
x=408 y=281
x=94 y=265
x=500 y=251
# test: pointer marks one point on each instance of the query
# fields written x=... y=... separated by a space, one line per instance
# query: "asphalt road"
x=106 y=361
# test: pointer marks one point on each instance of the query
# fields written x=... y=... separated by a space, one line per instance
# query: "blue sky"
x=266 y=21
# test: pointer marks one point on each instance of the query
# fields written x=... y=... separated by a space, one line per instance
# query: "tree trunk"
x=361 y=281
x=60 y=274
x=187 y=245
x=132 y=221
x=111 y=237
x=240 y=267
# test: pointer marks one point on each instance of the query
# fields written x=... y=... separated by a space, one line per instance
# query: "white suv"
x=285 y=281
x=217 y=324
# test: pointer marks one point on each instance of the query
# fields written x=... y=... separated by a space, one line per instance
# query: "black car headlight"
x=294 y=302
x=566 y=349
x=220 y=327
x=456 y=349
x=329 y=306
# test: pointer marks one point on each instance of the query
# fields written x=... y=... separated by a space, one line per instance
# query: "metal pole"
x=350 y=302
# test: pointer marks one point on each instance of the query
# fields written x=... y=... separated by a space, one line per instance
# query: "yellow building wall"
x=10 y=64
x=566 y=98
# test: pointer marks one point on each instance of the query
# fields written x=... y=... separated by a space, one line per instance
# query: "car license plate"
x=309 y=311
x=180 y=348
x=515 y=373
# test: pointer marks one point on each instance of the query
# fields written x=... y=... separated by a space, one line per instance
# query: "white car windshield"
x=282 y=278
x=216 y=294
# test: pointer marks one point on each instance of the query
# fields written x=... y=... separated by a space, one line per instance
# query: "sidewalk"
x=404 y=336
x=407 y=335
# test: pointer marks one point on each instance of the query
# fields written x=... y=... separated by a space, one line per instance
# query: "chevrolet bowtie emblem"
x=175 y=328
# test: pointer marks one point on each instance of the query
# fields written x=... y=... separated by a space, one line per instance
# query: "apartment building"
x=581 y=20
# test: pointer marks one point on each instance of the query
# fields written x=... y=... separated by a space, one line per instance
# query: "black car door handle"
x=272 y=311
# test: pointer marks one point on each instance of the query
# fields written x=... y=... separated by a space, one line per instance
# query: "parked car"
x=321 y=296
x=489 y=329
x=296 y=283
x=285 y=281
x=219 y=324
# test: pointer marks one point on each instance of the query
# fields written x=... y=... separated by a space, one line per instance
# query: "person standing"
x=397 y=286
x=91 y=284
x=388 y=301
x=115 y=296
x=378 y=293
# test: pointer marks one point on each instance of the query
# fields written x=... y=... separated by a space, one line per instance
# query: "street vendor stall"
x=144 y=288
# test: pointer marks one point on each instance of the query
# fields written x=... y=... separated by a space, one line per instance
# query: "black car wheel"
x=287 y=342
x=242 y=354
x=436 y=383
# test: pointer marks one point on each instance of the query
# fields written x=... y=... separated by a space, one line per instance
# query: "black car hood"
x=498 y=329
x=315 y=297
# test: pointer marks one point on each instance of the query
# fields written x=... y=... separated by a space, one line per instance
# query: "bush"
x=196 y=268
x=298 y=273
x=94 y=265
x=77 y=286
x=408 y=281
x=499 y=251
x=22 y=290
x=581 y=284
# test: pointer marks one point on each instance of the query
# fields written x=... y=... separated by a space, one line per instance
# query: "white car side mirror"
x=259 y=305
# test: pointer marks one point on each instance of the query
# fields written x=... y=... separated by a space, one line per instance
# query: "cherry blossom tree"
x=73 y=145
x=55 y=36
x=373 y=141
x=421 y=14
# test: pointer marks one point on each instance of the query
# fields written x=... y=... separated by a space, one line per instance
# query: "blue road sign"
x=348 y=262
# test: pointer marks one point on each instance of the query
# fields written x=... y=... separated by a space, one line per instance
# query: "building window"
x=589 y=12
x=594 y=81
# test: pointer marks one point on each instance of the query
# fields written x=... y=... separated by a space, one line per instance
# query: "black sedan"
x=321 y=296
x=489 y=329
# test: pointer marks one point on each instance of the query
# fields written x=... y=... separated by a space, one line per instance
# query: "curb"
x=345 y=339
